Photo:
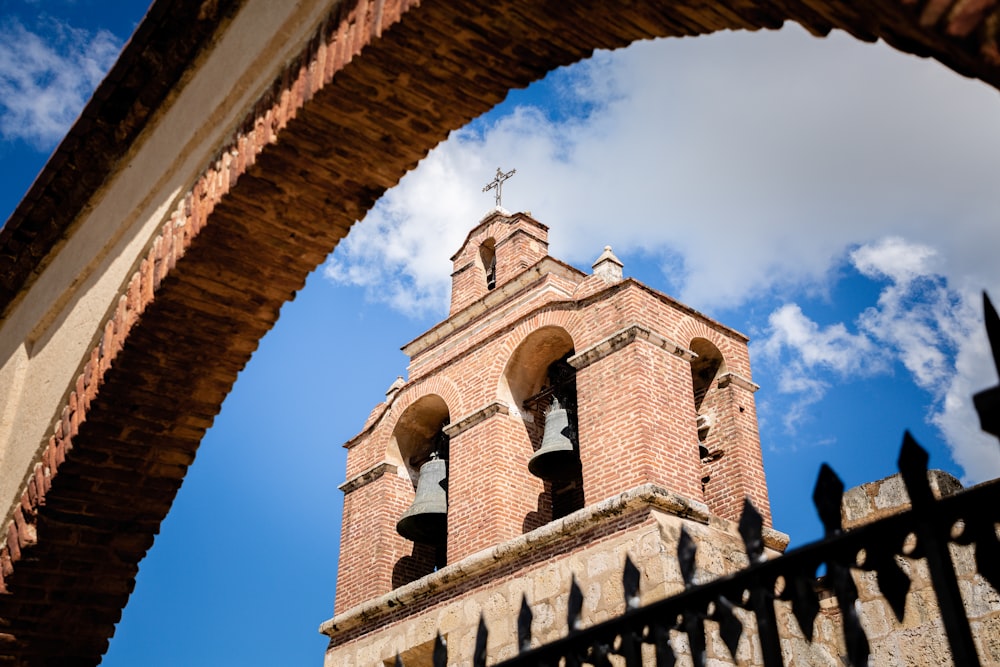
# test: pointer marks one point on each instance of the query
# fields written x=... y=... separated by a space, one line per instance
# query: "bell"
x=426 y=520
x=556 y=458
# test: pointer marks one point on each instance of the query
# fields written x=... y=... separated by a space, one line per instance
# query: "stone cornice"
x=737 y=380
x=368 y=476
x=502 y=293
x=480 y=415
x=647 y=496
x=624 y=337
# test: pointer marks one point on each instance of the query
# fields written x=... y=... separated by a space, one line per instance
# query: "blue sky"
x=832 y=199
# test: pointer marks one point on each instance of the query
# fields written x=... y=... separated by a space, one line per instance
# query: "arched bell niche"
x=536 y=376
x=705 y=370
x=417 y=437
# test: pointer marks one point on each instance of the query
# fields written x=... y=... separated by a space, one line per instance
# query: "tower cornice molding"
x=624 y=337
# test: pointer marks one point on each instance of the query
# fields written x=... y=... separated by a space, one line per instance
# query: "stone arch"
x=212 y=269
x=524 y=371
x=417 y=436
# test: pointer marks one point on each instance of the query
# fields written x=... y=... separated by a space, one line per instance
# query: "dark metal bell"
x=426 y=521
x=557 y=458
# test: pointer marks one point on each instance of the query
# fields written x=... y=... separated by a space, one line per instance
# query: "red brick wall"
x=636 y=412
x=637 y=423
x=520 y=242
x=491 y=494
x=370 y=547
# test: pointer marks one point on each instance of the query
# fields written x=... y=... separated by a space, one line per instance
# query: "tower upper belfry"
x=497 y=250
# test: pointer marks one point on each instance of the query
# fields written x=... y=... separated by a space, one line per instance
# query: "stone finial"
x=394 y=388
x=608 y=267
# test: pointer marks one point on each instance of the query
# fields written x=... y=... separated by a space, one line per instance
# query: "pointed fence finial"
x=987 y=402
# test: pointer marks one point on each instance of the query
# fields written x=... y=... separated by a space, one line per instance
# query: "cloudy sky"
x=834 y=200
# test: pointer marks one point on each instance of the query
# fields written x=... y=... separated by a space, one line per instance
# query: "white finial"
x=394 y=388
x=608 y=267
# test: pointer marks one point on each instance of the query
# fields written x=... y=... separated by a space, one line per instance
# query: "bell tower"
x=554 y=422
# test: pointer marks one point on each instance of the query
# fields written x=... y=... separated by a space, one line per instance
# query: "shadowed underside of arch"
x=379 y=85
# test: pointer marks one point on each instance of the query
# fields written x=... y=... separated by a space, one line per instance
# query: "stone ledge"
x=368 y=476
x=480 y=415
x=737 y=380
x=624 y=337
x=456 y=574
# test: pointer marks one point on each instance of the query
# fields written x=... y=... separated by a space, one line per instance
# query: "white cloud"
x=934 y=330
x=894 y=258
x=748 y=164
x=45 y=79
x=807 y=353
x=756 y=159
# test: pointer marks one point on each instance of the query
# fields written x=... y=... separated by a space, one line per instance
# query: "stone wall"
x=590 y=545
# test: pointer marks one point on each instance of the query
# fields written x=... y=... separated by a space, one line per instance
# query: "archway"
x=253 y=225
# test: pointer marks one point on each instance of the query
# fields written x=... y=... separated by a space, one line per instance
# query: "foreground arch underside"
x=315 y=153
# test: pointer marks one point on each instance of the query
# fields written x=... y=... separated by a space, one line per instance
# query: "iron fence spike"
x=892 y=581
x=805 y=602
x=750 y=527
x=686 y=549
x=913 y=461
x=524 y=619
x=440 y=656
x=399 y=661
x=992 y=321
x=695 y=629
x=730 y=627
x=987 y=402
x=827 y=496
x=574 y=606
x=855 y=638
x=664 y=651
x=630 y=583
x=479 y=653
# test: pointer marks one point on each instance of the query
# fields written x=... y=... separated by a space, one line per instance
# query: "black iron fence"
x=925 y=531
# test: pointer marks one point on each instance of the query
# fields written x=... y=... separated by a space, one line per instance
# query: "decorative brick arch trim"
x=440 y=385
x=202 y=297
x=565 y=319
x=691 y=329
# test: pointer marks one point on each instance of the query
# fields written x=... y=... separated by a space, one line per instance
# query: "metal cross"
x=497 y=183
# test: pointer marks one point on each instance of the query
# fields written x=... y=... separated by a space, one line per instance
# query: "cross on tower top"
x=497 y=183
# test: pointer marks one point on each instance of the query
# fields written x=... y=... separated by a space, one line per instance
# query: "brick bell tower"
x=555 y=422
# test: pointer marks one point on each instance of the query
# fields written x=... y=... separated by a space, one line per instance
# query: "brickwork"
x=637 y=423
x=388 y=80
x=635 y=406
x=519 y=241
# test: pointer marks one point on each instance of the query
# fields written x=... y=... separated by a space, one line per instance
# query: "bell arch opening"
x=705 y=370
x=488 y=261
x=540 y=383
x=419 y=447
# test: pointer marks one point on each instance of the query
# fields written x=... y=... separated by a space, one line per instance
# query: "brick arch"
x=567 y=320
x=691 y=329
x=369 y=95
x=439 y=384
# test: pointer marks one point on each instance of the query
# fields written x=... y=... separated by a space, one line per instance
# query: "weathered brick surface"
x=636 y=406
x=377 y=87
